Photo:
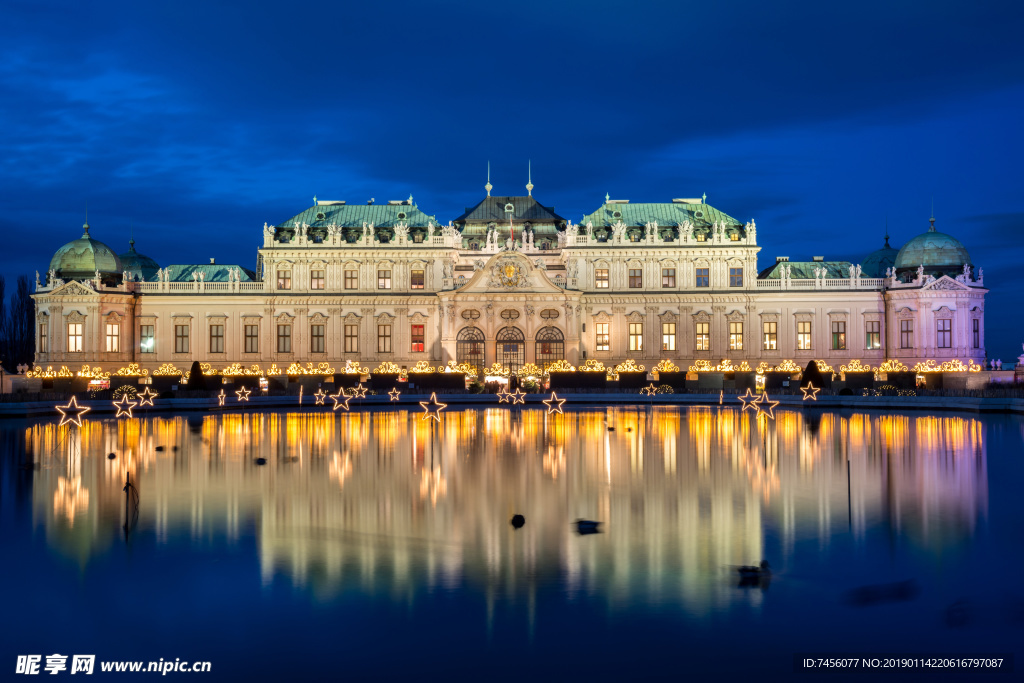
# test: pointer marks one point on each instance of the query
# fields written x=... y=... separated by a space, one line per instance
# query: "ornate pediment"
x=75 y=317
x=668 y=317
x=770 y=317
x=702 y=317
x=735 y=316
x=114 y=317
x=510 y=271
x=947 y=283
x=385 y=319
x=602 y=317
x=318 y=318
x=635 y=317
x=74 y=288
x=905 y=312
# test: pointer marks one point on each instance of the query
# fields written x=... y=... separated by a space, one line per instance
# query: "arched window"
x=469 y=347
x=550 y=346
x=510 y=347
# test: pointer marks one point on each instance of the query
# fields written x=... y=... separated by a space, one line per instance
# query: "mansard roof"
x=805 y=269
x=492 y=209
x=665 y=213
x=354 y=215
x=214 y=272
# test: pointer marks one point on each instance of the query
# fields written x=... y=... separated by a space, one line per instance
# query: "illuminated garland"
x=592 y=366
x=629 y=366
x=497 y=370
x=352 y=368
x=166 y=370
x=564 y=366
x=92 y=373
x=387 y=368
x=49 y=372
x=464 y=368
x=787 y=366
x=701 y=366
x=948 y=366
x=322 y=369
x=854 y=366
x=422 y=366
x=236 y=370
x=133 y=370
x=665 y=365
x=743 y=367
x=763 y=368
x=273 y=370
x=530 y=370
x=892 y=365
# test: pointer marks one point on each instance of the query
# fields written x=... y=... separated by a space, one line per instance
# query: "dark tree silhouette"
x=812 y=375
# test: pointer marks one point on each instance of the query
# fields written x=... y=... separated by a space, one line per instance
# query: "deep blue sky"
x=198 y=121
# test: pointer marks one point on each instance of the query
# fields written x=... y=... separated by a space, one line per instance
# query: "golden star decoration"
x=518 y=397
x=72 y=412
x=503 y=395
x=124 y=406
x=433 y=408
x=765 y=406
x=146 y=397
x=320 y=396
x=649 y=390
x=340 y=399
x=359 y=391
x=220 y=397
x=748 y=400
x=810 y=392
x=243 y=394
x=394 y=393
x=554 y=403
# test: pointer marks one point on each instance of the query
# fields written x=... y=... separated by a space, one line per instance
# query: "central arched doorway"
x=469 y=348
x=510 y=348
x=550 y=346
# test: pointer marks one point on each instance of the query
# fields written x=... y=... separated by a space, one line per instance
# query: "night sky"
x=198 y=121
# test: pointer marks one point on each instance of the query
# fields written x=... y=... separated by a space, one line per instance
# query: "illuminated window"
x=316 y=338
x=601 y=278
x=975 y=322
x=872 y=334
x=216 y=339
x=734 y=236
x=668 y=277
x=181 y=338
x=636 y=336
x=113 y=337
x=75 y=337
x=771 y=336
x=416 y=279
x=668 y=336
x=351 y=279
x=701 y=237
x=417 y=338
x=636 y=278
x=735 y=277
x=906 y=334
x=703 y=278
x=252 y=338
x=316 y=279
x=838 y=335
x=735 y=336
x=383 y=279
x=42 y=337
x=944 y=333
x=284 y=279
x=603 y=343
x=703 y=336
x=351 y=338
x=803 y=336
x=284 y=338
x=383 y=338
x=147 y=343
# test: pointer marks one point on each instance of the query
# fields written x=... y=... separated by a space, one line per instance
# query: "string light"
x=748 y=400
x=810 y=392
x=124 y=406
x=432 y=408
x=554 y=403
x=320 y=395
x=221 y=396
x=649 y=390
x=765 y=406
x=359 y=391
x=340 y=399
x=72 y=412
x=504 y=395
x=518 y=397
x=146 y=397
x=394 y=393
x=243 y=394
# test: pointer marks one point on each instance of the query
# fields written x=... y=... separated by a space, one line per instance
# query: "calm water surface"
x=378 y=545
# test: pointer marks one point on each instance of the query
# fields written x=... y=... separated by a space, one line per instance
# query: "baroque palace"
x=510 y=282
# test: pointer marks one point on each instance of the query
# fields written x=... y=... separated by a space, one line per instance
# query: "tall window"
x=771 y=336
x=417 y=338
x=636 y=336
x=147 y=343
x=216 y=339
x=944 y=333
x=351 y=279
x=735 y=277
x=316 y=338
x=976 y=323
x=603 y=341
x=383 y=279
x=703 y=336
x=906 y=334
x=735 y=336
x=284 y=279
x=668 y=336
x=601 y=278
x=383 y=338
x=42 y=337
x=803 y=335
x=351 y=338
x=873 y=334
x=703 y=278
x=181 y=338
x=416 y=279
x=838 y=335
x=316 y=279
x=636 y=278
x=252 y=338
x=668 y=277
x=284 y=338
x=113 y=337
x=75 y=337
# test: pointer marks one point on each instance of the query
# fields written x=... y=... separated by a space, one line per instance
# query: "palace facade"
x=510 y=281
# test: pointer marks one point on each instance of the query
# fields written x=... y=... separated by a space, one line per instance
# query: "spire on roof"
x=488 y=186
x=887 y=231
x=704 y=198
x=85 y=226
x=529 y=178
x=932 y=219
x=131 y=242
x=607 y=197
x=314 y=200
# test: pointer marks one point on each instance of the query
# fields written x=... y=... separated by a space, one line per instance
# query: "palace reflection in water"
x=384 y=501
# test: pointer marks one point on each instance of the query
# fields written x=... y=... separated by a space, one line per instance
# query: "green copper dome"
x=79 y=260
x=139 y=266
x=939 y=253
x=879 y=261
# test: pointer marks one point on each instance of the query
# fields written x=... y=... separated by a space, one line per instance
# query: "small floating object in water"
x=587 y=526
x=611 y=429
x=629 y=429
x=159 y=448
x=111 y=456
x=518 y=521
x=261 y=461
x=174 y=448
x=763 y=569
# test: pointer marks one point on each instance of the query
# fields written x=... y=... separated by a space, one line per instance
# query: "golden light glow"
x=504 y=395
x=236 y=370
x=765 y=406
x=124 y=406
x=854 y=366
x=243 y=394
x=353 y=368
x=629 y=365
x=665 y=365
x=320 y=396
x=422 y=366
x=340 y=399
x=763 y=368
x=49 y=372
x=387 y=368
x=394 y=393
x=518 y=397
x=497 y=370
x=554 y=403
x=358 y=391
x=592 y=366
x=72 y=413
x=296 y=370
x=948 y=366
x=530 y=370
x=892 y=365
x=132 y=370
x=649 y=390
x=810 y=392
x=787 y=366
x=92 y=373
x=166 y=370
x=563 y=365
x=220 y=397
x=432 y=408
x=747 y=400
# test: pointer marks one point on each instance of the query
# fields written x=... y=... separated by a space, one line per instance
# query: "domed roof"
x=140 y=267
x=936 y=251
x=879 y=261
x=79 y=260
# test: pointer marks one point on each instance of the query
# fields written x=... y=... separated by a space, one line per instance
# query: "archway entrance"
x=469 y=348
x=510 y=348
x=550 y=346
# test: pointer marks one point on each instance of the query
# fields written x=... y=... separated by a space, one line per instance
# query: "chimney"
x=213 y=261
x=818 y=259
x=781 y=259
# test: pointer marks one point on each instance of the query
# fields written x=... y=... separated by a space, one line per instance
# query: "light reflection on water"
x=387 y=502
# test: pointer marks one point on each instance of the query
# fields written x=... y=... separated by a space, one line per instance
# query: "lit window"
x=316 y=279
x=734 y=236
x=735 y=336
x=383 y=279
x=351 y=279
x=316 y=338
x=252 y=338
x=703 y=279
x=42 y=338
x=351 y=338
x=601 y=278
x=701 y=237
x=735 y=277
x=668 y=336
x=284 y=279
x=703 y=336
x=803 y=336
x=771 y=336
x=668 y=277
x=417 y=338
x=636 y=278
x=906 y=334
x=113 y=337
x=872 y=333
x=944 y=333
x=603 y=343
x=383 y=338
x=216 y=339
x=147 y=343
x=181 y=338
x=284 y=338
x=838 y=335
x=636 y=336
x=75 y=337
x=416 y=279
